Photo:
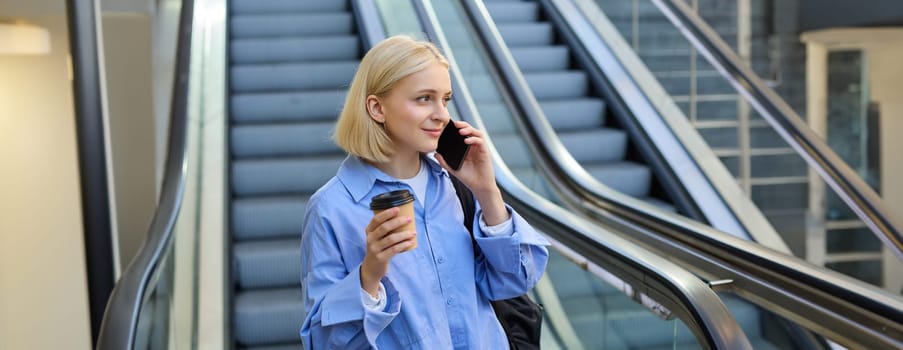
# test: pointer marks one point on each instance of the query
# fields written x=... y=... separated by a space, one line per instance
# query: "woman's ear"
x=375 y=109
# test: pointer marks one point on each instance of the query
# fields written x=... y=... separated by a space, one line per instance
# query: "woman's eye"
x=424 y=98
x=446 y=100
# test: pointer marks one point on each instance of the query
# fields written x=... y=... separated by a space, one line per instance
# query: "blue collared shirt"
x=437 y=294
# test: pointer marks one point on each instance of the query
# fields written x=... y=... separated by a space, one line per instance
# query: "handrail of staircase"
x=849 y=186
x=120 y=321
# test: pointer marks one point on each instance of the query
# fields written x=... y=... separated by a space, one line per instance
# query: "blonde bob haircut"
x=380 y=70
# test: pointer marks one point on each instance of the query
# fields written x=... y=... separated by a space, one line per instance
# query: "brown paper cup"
x=404 y=200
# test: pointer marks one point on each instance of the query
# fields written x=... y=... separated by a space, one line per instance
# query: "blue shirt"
x=437 y=294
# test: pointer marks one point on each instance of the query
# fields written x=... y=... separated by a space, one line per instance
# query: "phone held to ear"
x=452 y=146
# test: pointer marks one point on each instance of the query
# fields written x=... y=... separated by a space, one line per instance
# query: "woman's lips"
x=433 y=132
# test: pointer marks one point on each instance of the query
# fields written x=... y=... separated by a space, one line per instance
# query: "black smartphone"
x=452 y=146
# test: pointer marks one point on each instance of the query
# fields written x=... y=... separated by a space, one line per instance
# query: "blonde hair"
x=380 y=70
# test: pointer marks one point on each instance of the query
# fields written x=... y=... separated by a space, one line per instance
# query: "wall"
x=886 y=73
x=42 y=263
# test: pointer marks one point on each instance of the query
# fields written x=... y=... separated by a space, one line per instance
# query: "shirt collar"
x=360 y=178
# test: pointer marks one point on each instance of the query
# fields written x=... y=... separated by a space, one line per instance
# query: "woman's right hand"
x=382 y=244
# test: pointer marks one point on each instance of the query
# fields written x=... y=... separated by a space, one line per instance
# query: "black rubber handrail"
x=120 y=322
x=848 y=185
x=821 y=300
x=683 y=293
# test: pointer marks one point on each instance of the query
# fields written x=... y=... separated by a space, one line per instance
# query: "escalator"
x=284 y=83
x=289 y=64
x=525 y=39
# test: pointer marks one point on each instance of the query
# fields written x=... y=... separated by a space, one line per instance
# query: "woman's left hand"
x=477 y=174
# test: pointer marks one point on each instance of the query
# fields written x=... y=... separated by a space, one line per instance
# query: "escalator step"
x=291 y=346
x=558 y=85
x=541 y=58
x=267 y=263
x=287 y=106
x=268 y=317
x=627 y=177
x=268 y=217
x=513 y=11
x=276 y=25
x=600 y=145
x=282 y=176
x=527 y=34
x=291 y=76
x=282 y=6
x=575 y=114
x=273 y=140
x=274 y=50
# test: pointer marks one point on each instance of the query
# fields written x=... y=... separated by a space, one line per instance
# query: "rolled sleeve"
x=343 y=304
x=504 y=252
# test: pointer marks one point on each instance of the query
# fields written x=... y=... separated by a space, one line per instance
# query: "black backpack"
x=520 y=317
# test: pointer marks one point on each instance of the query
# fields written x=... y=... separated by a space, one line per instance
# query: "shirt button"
x=441 y=260
x=450 y=301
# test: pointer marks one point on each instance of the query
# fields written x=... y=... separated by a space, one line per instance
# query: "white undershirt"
x=418 y=183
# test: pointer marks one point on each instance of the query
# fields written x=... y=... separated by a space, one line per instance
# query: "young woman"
x=363 y=285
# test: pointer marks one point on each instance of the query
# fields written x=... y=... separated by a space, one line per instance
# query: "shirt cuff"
x=375 y=304
x=503 y=229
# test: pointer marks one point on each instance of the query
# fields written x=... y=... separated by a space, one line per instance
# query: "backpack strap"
x=467 y=202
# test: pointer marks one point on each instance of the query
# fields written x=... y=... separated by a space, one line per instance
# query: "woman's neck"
x=401 y=166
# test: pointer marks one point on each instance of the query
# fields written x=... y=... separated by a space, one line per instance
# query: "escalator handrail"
x=759 y=266
x=848 y=185
x=702 y=310
x=120 y=321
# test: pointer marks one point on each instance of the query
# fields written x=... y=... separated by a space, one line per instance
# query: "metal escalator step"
x=595 y=145
x=267 y=263
x=575 y=114
x=282 y=6
x=267 y=317
x=253 y=177
x=513 y=11
x=291 y=76
x=287 y=106
x=527 y=34
x=292 y=49
x=541 y=58
x=289 y=346
x=268 y=217
x=558 y=85
x=281 y=24
x=627 y=177
x=274 y=140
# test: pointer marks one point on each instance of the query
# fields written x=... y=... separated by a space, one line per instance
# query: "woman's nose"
x=441 y=113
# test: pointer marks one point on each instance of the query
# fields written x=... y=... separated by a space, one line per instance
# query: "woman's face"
x=415 y=111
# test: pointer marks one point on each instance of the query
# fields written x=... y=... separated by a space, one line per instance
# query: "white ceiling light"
x=23 y=39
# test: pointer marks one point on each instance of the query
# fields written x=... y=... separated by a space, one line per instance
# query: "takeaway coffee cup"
x=404 y=200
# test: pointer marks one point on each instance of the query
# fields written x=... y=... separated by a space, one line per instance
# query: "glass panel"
x=767 y=168
x=852 y=240
x=868 y=271
x=767 y=330
x=168 y=315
